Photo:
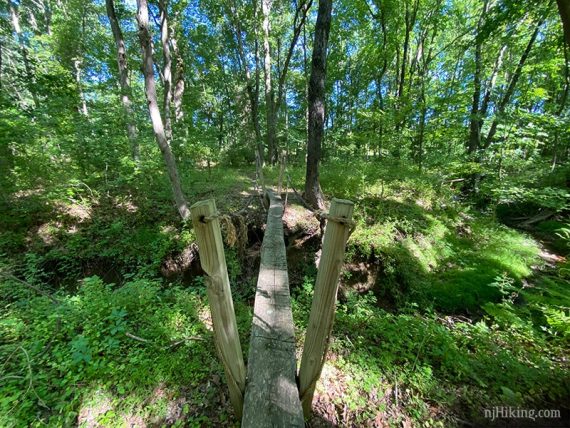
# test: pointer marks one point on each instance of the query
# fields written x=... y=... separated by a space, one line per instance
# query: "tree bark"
x=15 y=17
x=410 y=19
x=167 y=66
x=491 y=86
x=474 y=129
x=83 y=104
x=564 y=9
x=126 y=93
x=269 y=93
x=179 y=83
x=316 y=100
x=252 y=87
x=276 y=104
x=512 y=85
x=157 y=125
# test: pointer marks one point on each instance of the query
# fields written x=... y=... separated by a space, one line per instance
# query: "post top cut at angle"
x=271 y=396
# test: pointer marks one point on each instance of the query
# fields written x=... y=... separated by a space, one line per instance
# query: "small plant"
x=505 y=284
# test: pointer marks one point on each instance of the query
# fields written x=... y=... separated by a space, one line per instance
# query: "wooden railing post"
x=213 y=261
x=324 y=300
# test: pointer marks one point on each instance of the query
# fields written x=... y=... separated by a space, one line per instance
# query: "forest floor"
x=443 y=312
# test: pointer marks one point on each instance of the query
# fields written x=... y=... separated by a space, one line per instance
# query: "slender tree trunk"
x=47 y=14
x=410 y=19
x=221 y=127
x=316 y=100
x=422 y=125
x=252 y=87
x=474 y=129
x=15 y=17
x=512 y=85
x=167 y=66
x=269 y=93
x=157 y=125
x=1 y=65
x=405 y=54
x=562 y=103
x=254 y=99
x=179 y=83
x=83 y=104
x=298 y=25
x=306 y=74
x=491 y=86
x=126 y=93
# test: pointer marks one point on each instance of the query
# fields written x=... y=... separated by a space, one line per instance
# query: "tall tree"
x=15 y=18
x=269 y=92
x=179 y=82
x=512 y=85
x=564 y=10
x=316 y=100
x=167 y=67
x=157 y=125
x=251 y=83
x=122 y=63
x=474 y=128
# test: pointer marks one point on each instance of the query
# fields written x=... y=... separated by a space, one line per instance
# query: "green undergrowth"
x=443 y=369
x=111 y=355
x=430 y=247
x=118 y=345
x=461 y=316
x=116 y=230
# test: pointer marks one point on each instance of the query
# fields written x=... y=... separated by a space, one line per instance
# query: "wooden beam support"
x=211 y=250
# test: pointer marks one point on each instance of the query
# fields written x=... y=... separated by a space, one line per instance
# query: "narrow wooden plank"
x=271 y=395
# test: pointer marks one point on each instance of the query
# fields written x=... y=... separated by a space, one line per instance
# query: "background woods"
x=445 y=121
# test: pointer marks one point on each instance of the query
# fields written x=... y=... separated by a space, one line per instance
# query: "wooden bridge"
x=272 y=394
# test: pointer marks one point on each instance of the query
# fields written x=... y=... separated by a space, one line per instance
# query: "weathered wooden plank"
x=271 y=395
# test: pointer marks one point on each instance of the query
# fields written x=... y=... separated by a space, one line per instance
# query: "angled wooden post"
x=213 y=261
x=324 y=299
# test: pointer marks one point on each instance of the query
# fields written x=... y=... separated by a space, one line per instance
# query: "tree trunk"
x=298 y=25
x=252 y=87
x=410 y=19
x=167 y=66
x=269 y=94
x=306 y=75
x=474 y=129
x=564 y=9
x=157 y=125
x=254 y=100
x=512 y=84
x=132 y=131
x=316 y=100
x=491 y=86
x=83 y=104
x=179 y=83
x=24 y=52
